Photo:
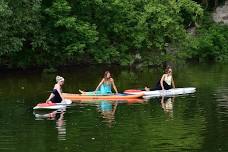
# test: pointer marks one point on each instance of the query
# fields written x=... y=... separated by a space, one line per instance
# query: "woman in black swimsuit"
x=166 y=82
x=56 y=95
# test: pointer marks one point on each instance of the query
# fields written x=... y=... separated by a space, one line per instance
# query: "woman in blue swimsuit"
x=104 y=87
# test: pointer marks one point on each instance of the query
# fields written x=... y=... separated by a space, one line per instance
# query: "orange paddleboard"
x=107 y=97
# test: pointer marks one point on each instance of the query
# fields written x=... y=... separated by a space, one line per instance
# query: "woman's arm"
x=99 y=84
x=114 y=86
x=51 y=96
x=173 y=84
x=161 y=81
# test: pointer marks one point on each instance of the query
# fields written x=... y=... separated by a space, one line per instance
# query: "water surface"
x=196 y=122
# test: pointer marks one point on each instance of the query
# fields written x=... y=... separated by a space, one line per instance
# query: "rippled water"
x=196 y=122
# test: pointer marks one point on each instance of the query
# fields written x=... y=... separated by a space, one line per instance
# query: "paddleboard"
x=136 y=100
x=158 y=93
x=106 y=97
x=53 y=106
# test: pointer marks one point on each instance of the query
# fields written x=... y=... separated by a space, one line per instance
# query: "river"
x=195 y=122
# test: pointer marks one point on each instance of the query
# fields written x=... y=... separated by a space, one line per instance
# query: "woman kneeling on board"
x=56 y=95
x=166 y=82
x=104 y=87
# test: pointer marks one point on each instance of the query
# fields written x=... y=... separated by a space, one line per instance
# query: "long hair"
x=105 y=75
x=167 y=69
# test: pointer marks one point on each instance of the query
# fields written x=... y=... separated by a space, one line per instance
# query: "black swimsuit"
x=165 y=85
x=57 y=98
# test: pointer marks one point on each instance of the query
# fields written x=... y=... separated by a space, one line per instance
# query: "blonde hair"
x=59 y=78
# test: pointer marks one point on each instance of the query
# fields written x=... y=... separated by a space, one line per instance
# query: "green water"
x=196 y=122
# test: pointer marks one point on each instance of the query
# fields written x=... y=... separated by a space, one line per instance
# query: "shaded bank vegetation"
x=36 y=33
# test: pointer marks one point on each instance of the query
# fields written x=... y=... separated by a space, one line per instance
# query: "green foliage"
x=210 y=44
x=59 y=32
x=68 y=35
x=8 y=42
x=135 y=27
x=190 y=11
x=20 y=32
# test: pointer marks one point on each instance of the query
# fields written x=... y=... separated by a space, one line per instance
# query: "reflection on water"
x=196 y=120
x=58 y=116
x=108 y=109
x=222 y=99
x=167 y=105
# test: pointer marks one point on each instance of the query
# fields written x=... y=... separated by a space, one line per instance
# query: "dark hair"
x=105 y=75
x=167 y=69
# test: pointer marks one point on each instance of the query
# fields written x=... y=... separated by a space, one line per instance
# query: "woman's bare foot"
x=82 y=92
x=147 y=89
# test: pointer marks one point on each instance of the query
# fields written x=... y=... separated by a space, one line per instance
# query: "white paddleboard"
x=61 y=105
x=65 y=102
x=170 y=92
x=49 y=107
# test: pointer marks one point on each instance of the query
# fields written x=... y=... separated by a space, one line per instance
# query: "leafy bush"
x=59 y=32
x=210 y=43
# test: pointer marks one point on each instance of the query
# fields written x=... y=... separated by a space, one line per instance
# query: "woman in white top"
x=166 y=81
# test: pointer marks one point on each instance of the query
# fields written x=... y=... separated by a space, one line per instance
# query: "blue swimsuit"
x=106 y=88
